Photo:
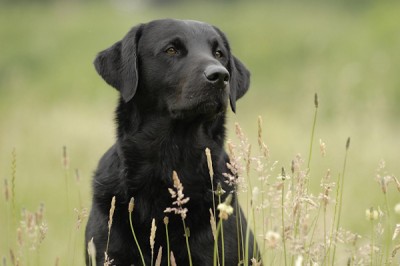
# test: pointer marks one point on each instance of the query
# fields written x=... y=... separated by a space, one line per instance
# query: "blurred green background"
x=51 y=96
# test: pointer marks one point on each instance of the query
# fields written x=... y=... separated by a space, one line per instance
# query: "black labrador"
x=175 y=79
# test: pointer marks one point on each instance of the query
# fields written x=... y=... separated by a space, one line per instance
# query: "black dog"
x=175 y=79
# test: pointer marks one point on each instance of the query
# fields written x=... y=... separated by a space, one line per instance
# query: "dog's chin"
x=203 y=110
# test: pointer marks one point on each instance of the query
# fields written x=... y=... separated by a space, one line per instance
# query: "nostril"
x=226 y=78
x=212 y=76
x=216 y=74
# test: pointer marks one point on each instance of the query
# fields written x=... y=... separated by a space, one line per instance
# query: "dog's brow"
x=214 y=42
x=174 y=40
x=177 y=40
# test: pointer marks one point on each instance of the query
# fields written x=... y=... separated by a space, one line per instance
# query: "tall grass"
x=293 y=225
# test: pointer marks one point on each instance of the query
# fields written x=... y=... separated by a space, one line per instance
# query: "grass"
x=51 y=97
x=292 y=231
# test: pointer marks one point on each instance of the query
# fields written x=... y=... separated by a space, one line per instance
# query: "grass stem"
x=313 y=131
x=372 y=241
x=388 y=230
x=222 y=234
x=216 y=243
x=340 y=191
x=130 y=209
x=166 y=220
x=283 y=221
x=187 y=241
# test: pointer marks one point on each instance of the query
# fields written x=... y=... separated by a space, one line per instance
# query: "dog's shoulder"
x=107 y=176
x=110 y=160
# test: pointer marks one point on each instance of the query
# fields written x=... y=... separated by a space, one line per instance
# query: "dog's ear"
x=118 y=65
x=239 y=81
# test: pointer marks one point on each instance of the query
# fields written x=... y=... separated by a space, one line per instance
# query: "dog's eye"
x=171 y=51
x=218 y=54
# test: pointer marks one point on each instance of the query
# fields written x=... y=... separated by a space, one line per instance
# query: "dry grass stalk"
x=166 y=221
x=172 y=258
x=91 y=249
x=32 y=230
x=81 y=216
x=152 y=237
x=65 y=158
x=396 y=231
x=13 y=176
x=254 y=262
x=395 y=250
x=213 y=225
x=209 y=163
x=159 y=257
x=14 y=259
x=180 y=201
x=177 y=194
x=6 y=190
x=112 y=209
x=211 y=172
x=131 y=206
x=107 y=260
x=322 y=148
x=263 y=147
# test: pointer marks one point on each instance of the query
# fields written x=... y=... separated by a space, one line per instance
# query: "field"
x=51 y=97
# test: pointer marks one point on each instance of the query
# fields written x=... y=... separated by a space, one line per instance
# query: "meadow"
x=56 y=113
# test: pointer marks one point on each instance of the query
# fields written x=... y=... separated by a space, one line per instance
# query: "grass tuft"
x=294 y=220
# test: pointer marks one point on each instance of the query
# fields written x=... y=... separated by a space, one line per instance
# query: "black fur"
x=170 y=110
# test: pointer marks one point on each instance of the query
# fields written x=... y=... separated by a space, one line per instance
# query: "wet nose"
x=217 y=74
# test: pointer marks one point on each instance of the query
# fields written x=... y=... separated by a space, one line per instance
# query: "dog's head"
x=183 y=67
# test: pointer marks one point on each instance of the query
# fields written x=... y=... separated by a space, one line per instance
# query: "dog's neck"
x=157 y=138
x=131 y=121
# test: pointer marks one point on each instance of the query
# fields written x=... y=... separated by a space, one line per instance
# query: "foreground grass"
x=50 y=96
x=293 y=224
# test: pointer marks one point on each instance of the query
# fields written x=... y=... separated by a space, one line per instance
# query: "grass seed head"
x=395 y=250
x=159 y=257
x=209 y=163
x=254 y=262
x=348 y=143
x=152 y=234
x=225 y=208
x=65 y=158
x=20 y=240
x=260 y=141
x=396 y=231
x=112 y=209
x=177 y=193
x=371 y=214
x=322 y=148
x=213 y=224
x=397 y=183
x=6 y=190
x=272 y=239
x=172 y=259
x=397 y=208
x=166 y=220
x=219 y=191
x=131 y=205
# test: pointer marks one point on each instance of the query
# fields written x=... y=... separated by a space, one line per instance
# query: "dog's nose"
x=217 y=74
